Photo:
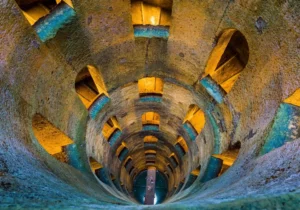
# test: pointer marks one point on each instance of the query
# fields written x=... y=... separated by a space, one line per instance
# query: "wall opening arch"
x=150 y=141
x=194 y=121
x=150 y=121
x=226 y=62
x=122 y=151
x=192 y=177
x=45 y=16
x=53 y=140
x=174 y=160
x=181 y=147
x=111 y=130
x=150 y=89
x=220 y=163
x=100 y=171
x=91 y=90
x=151 y=18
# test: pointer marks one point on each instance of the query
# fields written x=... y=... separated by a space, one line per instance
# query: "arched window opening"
x=94 y=164
x=45 y=16
x=174 y=160
x=151 y=18
x=194 y=121
x=150 y=141
x=151 y=89
x=111 y=131
x=91 y=89
x=150 y=162
x=181 y=146
x=213 y=169
x=51 y=138
x=228 y=157
x=100 y=171
x=167 y=174
x=123 y=187
x=150 y=154
x=122 y=151
x=128 y=163
x=219 y=163
x=192 y=177
x=150 y=121
x=286 y=124
x=115 y=181
x=181 y=183
x=169 y=167
x=131 y=171
x=226 y=62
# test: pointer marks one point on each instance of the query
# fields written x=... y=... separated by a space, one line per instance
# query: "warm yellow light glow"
x=35 y=13
x=152 y=20
x=69 y=2
x=228 y=157
x=150 y=151
x=38 y=11
x=182 y=143
x=147 y=14
x=98 y=79
x=150 y=118
x=173 y=155
x=150 y=85
x=195 y=172
x=294 y=99
x=94 y=164
x=109 y=127
x=120 y=148
x=89 y=85
x=50 y=137
x=228 y=84
x=127 y=159
x=228 y=59
x=151 y=168
x=218 y=51
x=195 y=117
x=152 y=139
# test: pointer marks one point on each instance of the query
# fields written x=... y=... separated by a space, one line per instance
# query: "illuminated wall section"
x=100 y=172
x=90 y=87
x=115 y=182
x=47 y=17
x=150 y=89
x=150 y=141
x=181 y=146
x=228 y=158
x=151 y=19
x=111 y=131
x=286 y=124
x=169 y=168
x=192 y=177
x=122 y=151
x=94 y=164
x=194 y=121
x=150 y=121
x=173 y=160
x=226 y=62
x=51 y=138
x=150 y=155
x=220 y=163
x=213 y=169
x=128 y=163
